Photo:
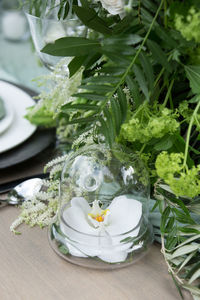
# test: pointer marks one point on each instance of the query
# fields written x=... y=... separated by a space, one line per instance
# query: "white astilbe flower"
x=55 y=161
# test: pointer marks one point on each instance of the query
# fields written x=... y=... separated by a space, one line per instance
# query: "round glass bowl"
x=102 y=220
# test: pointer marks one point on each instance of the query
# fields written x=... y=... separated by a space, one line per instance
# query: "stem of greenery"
x=135 y=57
x=168 y=93
x=189 y=132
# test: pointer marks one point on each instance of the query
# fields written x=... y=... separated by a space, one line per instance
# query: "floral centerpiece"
x=136 y=81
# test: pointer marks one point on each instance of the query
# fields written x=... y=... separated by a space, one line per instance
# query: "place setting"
x=105 y=156
x=19 y=139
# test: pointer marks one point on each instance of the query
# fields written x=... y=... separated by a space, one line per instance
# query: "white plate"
x=20 y=128
x=7 y=120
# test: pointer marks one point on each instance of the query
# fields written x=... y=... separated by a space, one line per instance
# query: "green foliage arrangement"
x=140 y=66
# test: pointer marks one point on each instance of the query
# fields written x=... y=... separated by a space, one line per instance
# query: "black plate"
x=38 y=142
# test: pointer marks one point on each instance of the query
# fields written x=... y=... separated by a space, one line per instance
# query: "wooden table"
x=30 y=270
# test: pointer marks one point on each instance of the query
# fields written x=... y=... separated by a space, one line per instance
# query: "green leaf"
x=165 y=36
x=185 y=250
x=193 y=74
x=164 y=143
x=148 y=69
x=101 y=79
x=194 y=99
x=100 y=89
x=72 y=46
x=105 y=131
x=126 y=39
x=192 y=271
x=90 y=18
x=110 y=126
x=193 y=289
x=90 y=96
x=122 y=25
x=122 y=103
x=82 y=120
x=184 y=263
x=189 y=240
x=159 y=55
x=164 y=218
x=195 y=275
x=170 y=224
x=177 y=285
x=63 y=249
x=134 y=90
x=141 y=80
x=115 y=107
x=75 y=64
x=66 y=10
x=79 y=106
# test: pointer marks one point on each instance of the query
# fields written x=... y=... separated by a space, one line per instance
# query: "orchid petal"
x=82 y=203
x=125 y=215
x=75 y=217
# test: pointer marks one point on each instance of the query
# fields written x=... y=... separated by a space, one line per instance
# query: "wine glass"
x=47 y=28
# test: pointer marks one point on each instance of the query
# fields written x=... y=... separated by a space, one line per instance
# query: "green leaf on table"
x=185 y=250
x=90 y=18
x=177 y=285
x=193 y=74
x=72 y=46
x=196 y=274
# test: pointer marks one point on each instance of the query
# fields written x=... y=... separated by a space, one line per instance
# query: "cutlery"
x=6 y=187
x=22 y=192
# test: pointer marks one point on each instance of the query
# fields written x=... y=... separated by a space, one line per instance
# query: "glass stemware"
x=47 y=28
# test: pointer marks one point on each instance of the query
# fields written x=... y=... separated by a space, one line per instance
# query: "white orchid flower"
x=92 y=231
x=114 y=7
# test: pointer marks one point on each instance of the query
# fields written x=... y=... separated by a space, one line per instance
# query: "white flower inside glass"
x=103 y=214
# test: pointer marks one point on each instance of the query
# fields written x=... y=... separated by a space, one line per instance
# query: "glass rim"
x=43 y=18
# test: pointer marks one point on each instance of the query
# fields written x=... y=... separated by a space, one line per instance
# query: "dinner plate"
x=7 y=120
x=20 y=129
x=40 y=142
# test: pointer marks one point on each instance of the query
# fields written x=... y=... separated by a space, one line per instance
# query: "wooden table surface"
x=30 y=270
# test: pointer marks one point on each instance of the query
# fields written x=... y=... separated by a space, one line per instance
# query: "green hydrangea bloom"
x=189 y=26
x=149 y=122
x=182 y=181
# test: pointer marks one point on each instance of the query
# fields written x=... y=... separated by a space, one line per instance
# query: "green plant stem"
x=142 y=149
x=165 y=13
x=168 y=93
x=135 y=57
x=159 y=76
x=189 y=133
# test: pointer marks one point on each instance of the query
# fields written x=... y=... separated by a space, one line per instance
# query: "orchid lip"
x=87 y=234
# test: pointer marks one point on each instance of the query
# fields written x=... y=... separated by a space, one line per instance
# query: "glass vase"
x=103 y=216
